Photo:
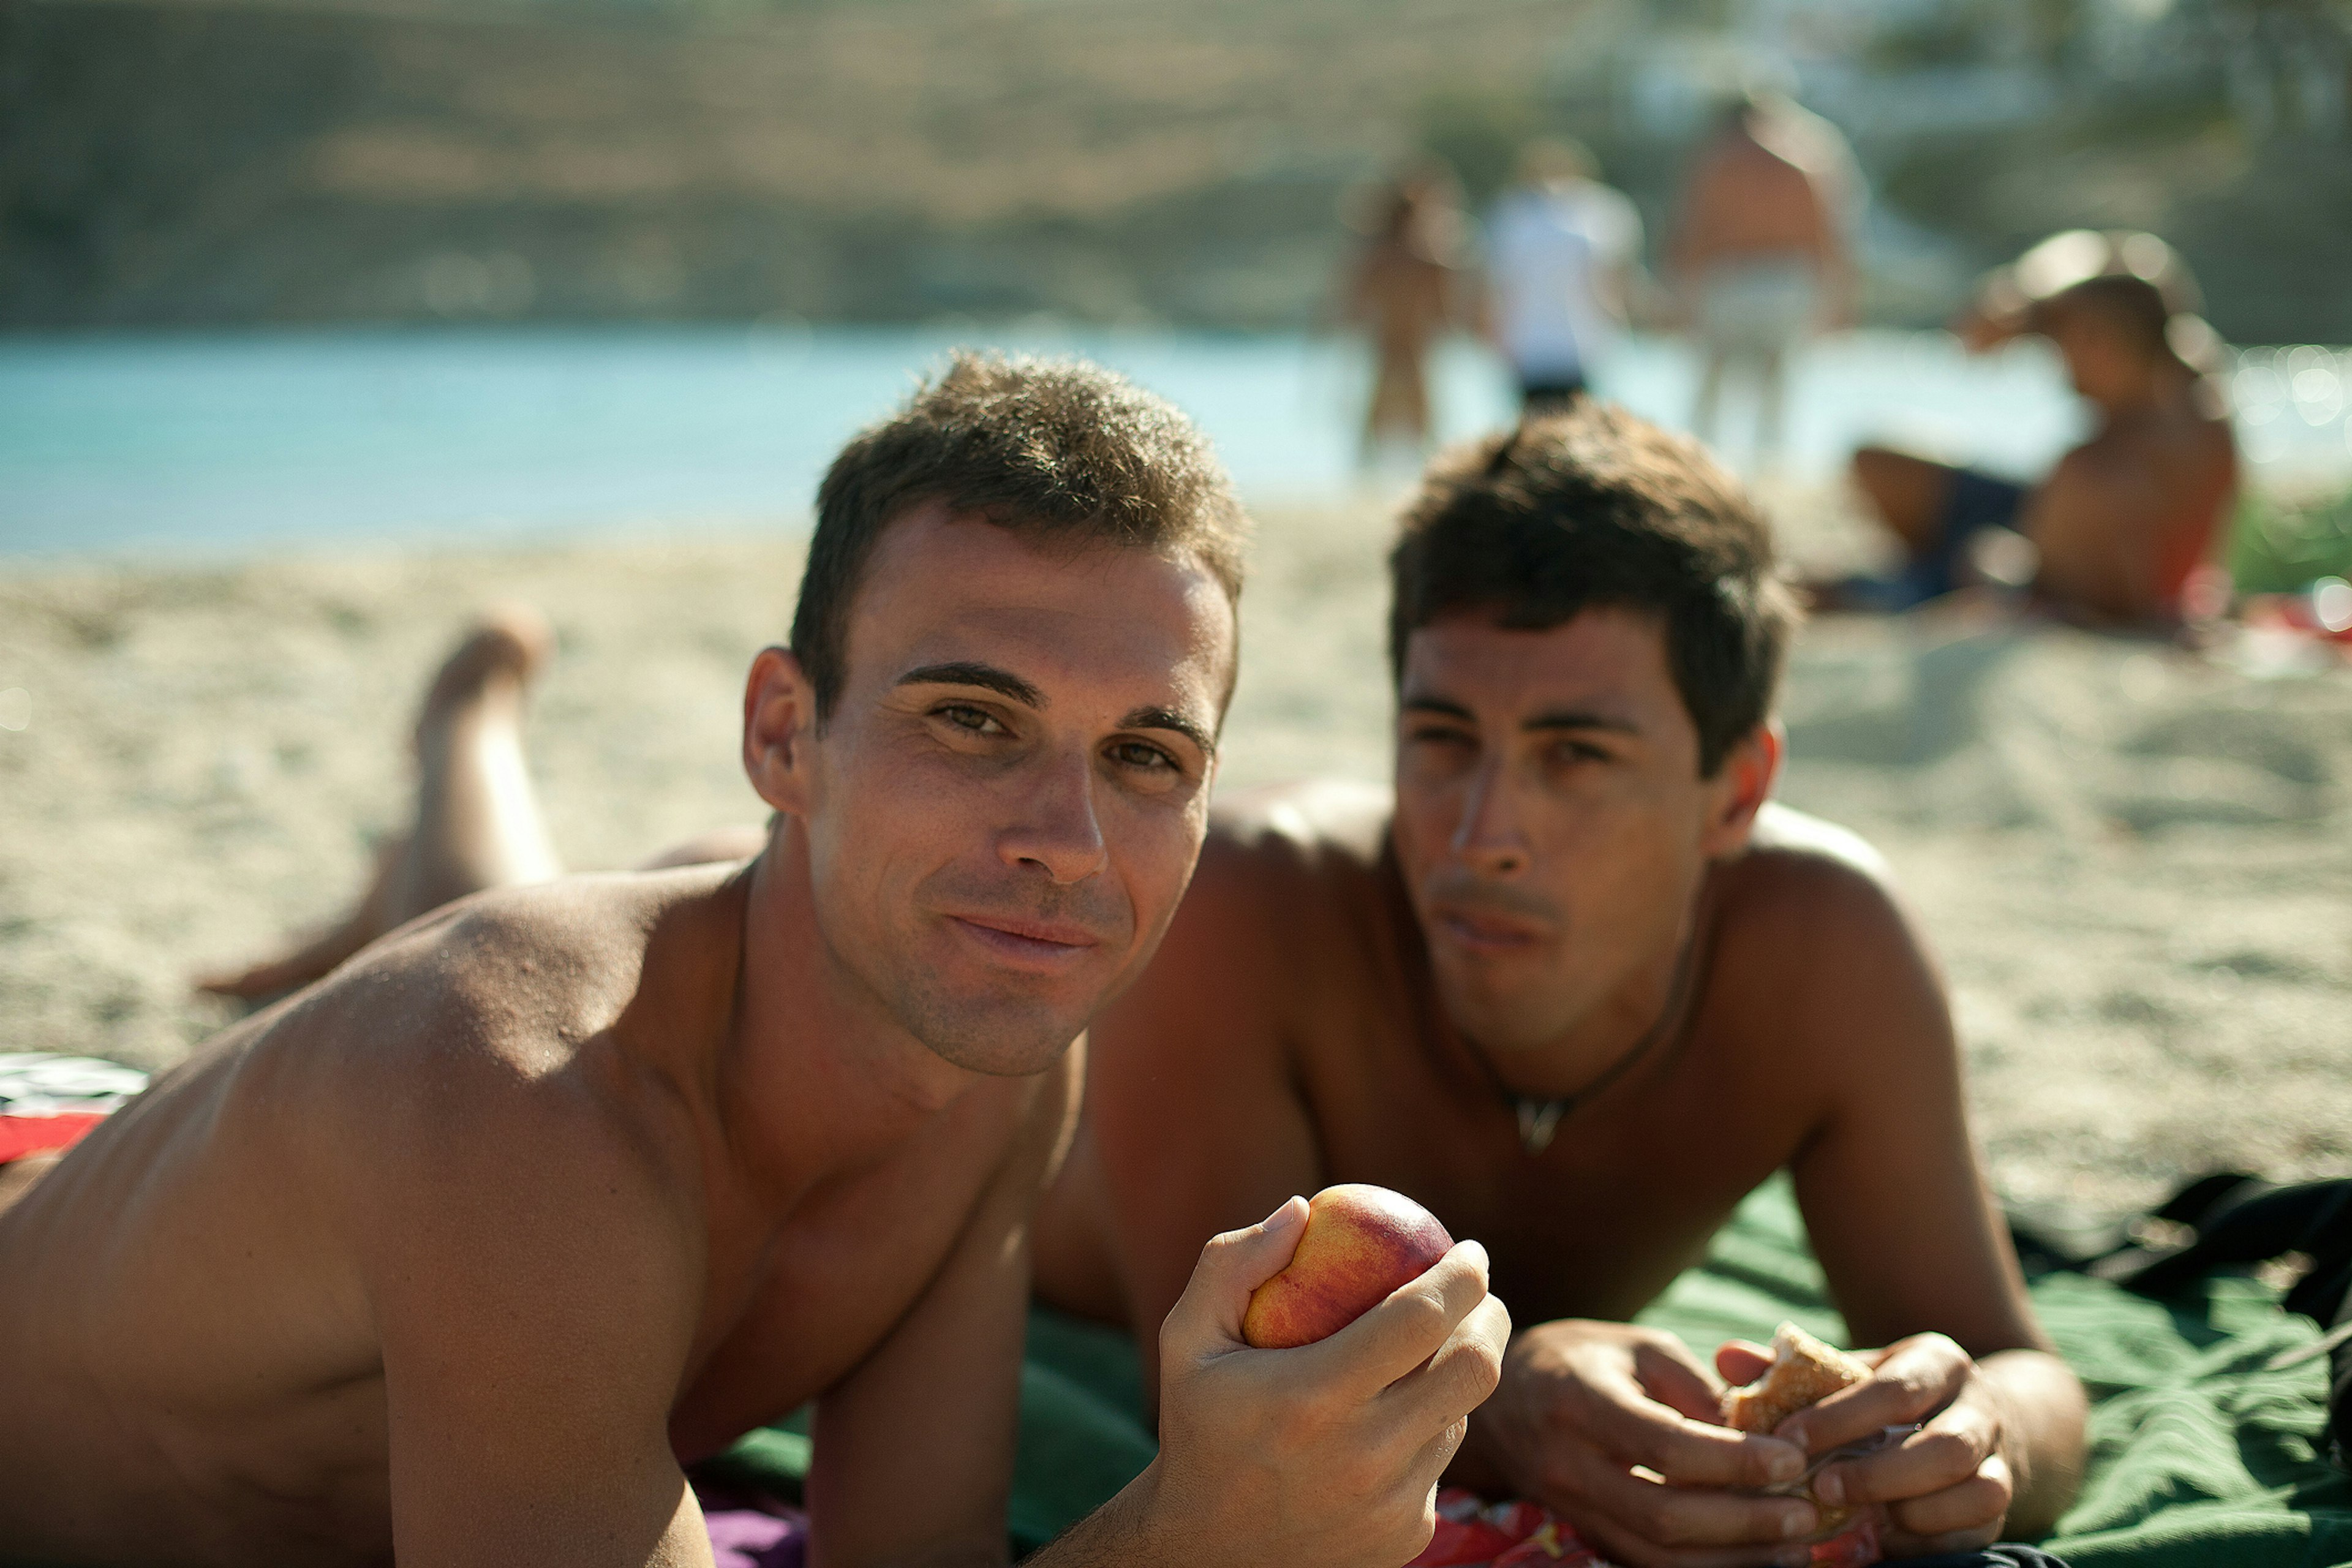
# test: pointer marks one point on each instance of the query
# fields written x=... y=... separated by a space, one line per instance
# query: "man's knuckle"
x=1424 y=1315
x=1990 y=1495
x=1655 y=1514
x=1484 y=1365
x=1948 y=1452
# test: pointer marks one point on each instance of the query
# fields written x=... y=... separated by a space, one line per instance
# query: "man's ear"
x=780 y=731
x=1741 y=787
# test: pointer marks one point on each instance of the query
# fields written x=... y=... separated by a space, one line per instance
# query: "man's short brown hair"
x=1592 y=508
x=1057 y=447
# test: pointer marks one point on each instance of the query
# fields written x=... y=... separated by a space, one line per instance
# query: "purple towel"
x=747 y=1538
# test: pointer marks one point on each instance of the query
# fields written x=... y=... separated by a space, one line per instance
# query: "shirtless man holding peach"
x=459 y=1255
x=1579 y=988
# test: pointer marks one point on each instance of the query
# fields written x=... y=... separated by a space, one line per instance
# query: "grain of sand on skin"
x=2131 y=863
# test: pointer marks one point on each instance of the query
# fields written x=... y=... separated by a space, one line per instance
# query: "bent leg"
x=1909 y=495
x=477 y=823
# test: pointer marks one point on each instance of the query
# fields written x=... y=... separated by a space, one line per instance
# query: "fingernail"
x=1784 y=1464
x=1287 y=1213
x=1828 y=1488
x=1791 y=1431
x=1796 y=1522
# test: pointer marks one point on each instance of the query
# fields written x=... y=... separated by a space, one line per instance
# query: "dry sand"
x=2133 y=863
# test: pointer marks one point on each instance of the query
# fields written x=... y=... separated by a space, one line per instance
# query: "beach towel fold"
x=2200 y=1453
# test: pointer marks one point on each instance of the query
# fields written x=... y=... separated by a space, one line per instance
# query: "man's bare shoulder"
x=1804 y=886
x=1789 y=841
x=1312 y=830
x=1285 y=879
x=518 y=975
x=488 y=1034
x=1817 y=952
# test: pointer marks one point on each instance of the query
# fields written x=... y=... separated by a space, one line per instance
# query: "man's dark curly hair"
x=1054 y=448
x=1592 y=508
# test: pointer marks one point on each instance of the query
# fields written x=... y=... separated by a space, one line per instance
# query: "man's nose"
x=1488 y=838
x=1057 y=828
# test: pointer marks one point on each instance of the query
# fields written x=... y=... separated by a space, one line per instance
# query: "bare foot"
x=502 y=655
x=476 y=826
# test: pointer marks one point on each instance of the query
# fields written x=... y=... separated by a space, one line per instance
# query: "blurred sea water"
x=222 y=446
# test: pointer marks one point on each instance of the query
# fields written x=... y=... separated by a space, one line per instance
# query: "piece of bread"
x=1803 y=1370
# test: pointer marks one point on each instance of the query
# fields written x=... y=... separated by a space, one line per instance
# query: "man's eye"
x=1137 y=754
x=963 y=717
x=1437 y=735
x=1573 y=752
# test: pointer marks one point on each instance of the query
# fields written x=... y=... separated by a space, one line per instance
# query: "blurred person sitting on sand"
x=2116 y=532
x=1406 y=288
x=1562 y=249
x=460 y=1254
x=1579 y=986
x=1759 y=256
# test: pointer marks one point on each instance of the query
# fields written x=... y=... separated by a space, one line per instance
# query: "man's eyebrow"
x=1552 y=718
x=1580 y=719
x=1169 y=718
x=970 y=673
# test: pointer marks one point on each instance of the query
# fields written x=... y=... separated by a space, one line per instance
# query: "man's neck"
x=1641 y=1017
x=812 y=1076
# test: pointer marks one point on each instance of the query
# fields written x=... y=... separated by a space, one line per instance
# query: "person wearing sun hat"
x=2116 y=532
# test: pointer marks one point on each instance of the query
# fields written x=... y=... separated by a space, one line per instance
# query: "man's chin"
x=996 y=1035
x=1501 y=1020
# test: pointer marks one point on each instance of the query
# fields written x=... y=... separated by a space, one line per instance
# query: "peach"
x=1361 y=1243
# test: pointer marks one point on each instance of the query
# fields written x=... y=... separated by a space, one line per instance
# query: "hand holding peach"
x=1324 y=1454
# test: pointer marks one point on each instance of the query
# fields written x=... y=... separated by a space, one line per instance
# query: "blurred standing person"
x=1404 y=289
x=2116 y=532
x=1560 y=252
x=1760 y=253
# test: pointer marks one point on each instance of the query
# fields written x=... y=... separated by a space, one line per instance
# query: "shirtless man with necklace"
x=1578 y=987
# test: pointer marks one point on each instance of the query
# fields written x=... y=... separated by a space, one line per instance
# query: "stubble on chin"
x=998 y=1040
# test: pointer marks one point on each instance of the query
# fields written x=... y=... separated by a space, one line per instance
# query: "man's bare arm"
x=914 y=1450
x=534 y=1280
x=1915 y=1253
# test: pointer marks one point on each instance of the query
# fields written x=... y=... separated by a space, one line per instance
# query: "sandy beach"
x=2131 y=861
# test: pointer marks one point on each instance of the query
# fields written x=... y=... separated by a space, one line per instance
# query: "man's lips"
x=1027 y=944
x=1485 y=930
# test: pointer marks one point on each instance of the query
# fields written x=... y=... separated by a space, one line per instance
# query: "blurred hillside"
x=185 y=161
x=832 y=159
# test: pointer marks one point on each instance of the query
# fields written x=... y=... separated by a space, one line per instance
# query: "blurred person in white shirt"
x=1562 y=251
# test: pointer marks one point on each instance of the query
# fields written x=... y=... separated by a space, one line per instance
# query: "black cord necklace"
x=1539 y=1117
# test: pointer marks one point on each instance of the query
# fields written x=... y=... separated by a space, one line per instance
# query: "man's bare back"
x=1755 y=194
x=307 y=1197
x=2125 y=518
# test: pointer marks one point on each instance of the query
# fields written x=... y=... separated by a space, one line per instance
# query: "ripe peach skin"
x=1361 y=1243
